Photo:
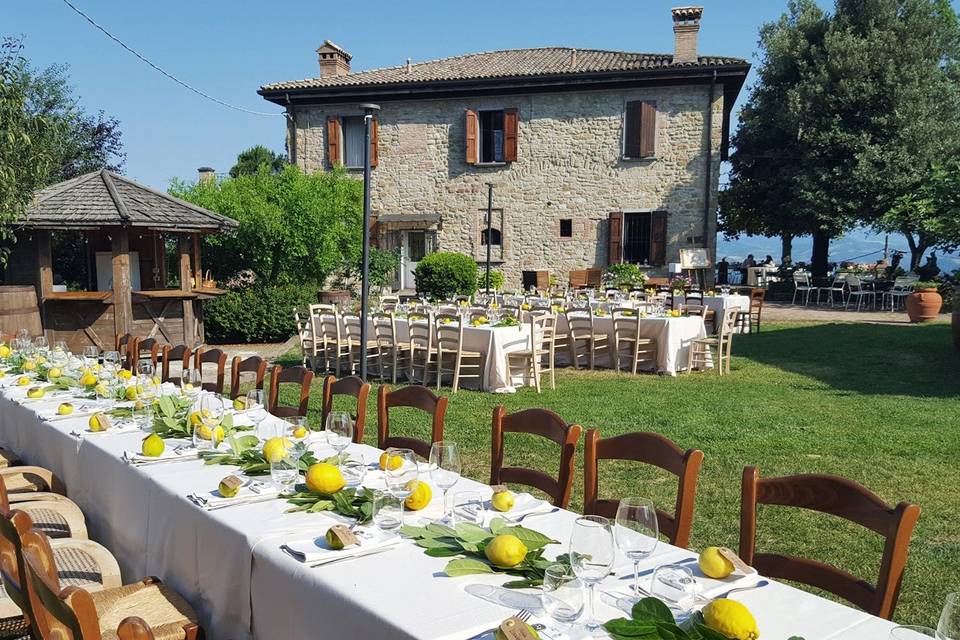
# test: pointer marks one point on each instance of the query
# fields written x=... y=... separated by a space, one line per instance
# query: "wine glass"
x=142 y=417
x=400 y=478
x=591 y=557
x=90 y=355
x=444 y=468
x=339 y=431
x=256 y=409
x=949 y=625
x=40 y=343
x=205 y=435
x=562 y=594
x=285 y=471
x=910 y=632
x=145 y=368
x=191 y=383
x=636 y=531
x=111 y=358
x=387 y=511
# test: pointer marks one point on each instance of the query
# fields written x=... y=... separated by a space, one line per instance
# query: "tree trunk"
x=821 y=249
x=918 y=247
x=786 y=249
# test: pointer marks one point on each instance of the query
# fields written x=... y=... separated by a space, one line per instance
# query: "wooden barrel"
x=19 y=310
x=956 y=317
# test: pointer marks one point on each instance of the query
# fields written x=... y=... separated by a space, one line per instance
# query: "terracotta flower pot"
x=923 y=305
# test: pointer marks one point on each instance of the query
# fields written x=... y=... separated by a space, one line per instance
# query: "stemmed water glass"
x=145 y=368
x=90 y=355
x=636 y=531
x=191 y=383
x=205 y=435
x=285 y=470
x=444 y=468
x=256 y=409
x=40 y=343
x=949 y=625
x=111 y=358
x=339 y=432
x=591 y=557
x=400 y=477
x=562 y=594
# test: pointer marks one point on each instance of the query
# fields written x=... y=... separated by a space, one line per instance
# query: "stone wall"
x=569 y=166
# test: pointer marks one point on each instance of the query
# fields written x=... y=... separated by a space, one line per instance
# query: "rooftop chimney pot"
x=686 y=26
x=334 y=61
x=207 y=174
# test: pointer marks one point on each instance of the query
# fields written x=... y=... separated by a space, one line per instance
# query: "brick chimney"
x=686 y=25
x=206 y=174
x=334 y=61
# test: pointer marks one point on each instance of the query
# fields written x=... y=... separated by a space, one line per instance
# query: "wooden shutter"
x=631 y=130
x=511 y=123
x=658 y=237
x=648 y=129
x=473 y=130
x=373 y=142
x=615 y=238
x=333 y=141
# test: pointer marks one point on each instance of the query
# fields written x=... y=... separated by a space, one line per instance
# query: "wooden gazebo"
x=127 y=227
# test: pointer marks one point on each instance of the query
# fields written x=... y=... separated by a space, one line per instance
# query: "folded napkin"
x=315 y=551
x=710 y=588
x=252 y=491
x=523 y=504
x=170 y=454
x=119 y=427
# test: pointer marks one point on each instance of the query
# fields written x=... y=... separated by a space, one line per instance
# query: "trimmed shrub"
x=496 y=280
x=442 y=275
x=255 y=314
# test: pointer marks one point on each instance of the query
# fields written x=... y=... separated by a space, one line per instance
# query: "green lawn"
x=877 y=404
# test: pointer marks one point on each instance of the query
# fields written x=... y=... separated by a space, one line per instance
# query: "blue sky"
x=228 y=48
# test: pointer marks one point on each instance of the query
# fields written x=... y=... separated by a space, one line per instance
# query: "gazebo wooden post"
x=122 y=287
x=44 y=270
x=189 y=332
x=197 y=267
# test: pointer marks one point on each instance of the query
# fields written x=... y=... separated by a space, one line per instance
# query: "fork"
x=523 y=615
x=527 y=515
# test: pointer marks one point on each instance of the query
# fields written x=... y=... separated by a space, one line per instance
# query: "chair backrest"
x=756 y=299
x=695 y=309
x=354 y=387
x=385 y=329
x=121 y=341
x=148 y=348
x=179 y=354
x=317 y=312
x=652 y=449
x=13 y=524
x=299 y=375
x=67 y=614
x=625 y=322
x=693 y=297
x=449 y=332
x=544 y=423
x=728 y=322
x=845 y=499
x=543 y=330
x=801 y=278
x=389 y=303
x=253 y=364
x=216 y=357
x=580 y=324
x=417 y=397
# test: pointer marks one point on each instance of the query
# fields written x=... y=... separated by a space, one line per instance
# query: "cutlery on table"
x=519 y=519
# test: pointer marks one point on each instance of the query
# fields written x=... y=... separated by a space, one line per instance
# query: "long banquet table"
x=228 y=564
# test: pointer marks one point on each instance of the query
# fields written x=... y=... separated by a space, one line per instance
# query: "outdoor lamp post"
x=489 y=230
x=369 y=110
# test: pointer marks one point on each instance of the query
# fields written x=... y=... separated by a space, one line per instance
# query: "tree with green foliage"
x=445 y=274
x=253 y=159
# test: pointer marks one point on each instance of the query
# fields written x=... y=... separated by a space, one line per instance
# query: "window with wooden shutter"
x=640 y=130
x=615 y=238
x=658 y=238
x=373 y=142
x=333 y=141
x=511 y=124
x=472 y=134
x=631 y=130
x=648 y=129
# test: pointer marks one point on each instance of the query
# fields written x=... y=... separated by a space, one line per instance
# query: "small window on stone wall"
x=566 y=228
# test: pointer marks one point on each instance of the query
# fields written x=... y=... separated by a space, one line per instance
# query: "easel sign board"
x=694 y=259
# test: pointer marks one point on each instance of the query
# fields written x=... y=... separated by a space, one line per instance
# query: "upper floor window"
x=492 y=136
x=353 y=135
x=345 y=135
x=640 y=130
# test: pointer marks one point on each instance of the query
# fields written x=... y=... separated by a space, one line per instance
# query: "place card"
x=513 y=628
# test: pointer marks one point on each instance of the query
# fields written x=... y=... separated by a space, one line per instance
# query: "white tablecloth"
x=228 y=564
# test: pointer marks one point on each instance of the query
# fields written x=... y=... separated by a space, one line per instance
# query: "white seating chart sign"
x=694 y=259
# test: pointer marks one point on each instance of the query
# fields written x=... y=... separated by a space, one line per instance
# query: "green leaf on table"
x=652 y=609
x=706 y=633
x=640 y=629
x=167 y=407
x=471 y=532
x=531 y=539
x=526 y=583
x=414 y=532
x=435 y=530
x=497 y=526
x=466 y=567
x=443 y=552
x=439 y=543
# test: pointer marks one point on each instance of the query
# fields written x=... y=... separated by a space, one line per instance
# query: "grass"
x=876 y=404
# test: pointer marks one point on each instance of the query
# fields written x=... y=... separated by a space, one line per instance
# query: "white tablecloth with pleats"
x=229 y=566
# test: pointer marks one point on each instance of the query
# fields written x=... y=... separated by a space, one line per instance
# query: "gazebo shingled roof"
x=103 y=199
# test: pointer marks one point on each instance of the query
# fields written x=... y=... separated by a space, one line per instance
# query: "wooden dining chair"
x=540 y=357
x=420 y=332
x=298 y=375
x=255 y=365
x=29 y=489
x=749 y=320
x=452 y=358
x=122 y=344
x=354 y=387
x=700 y=352
x=148 y=348
x=216 y=357
x=584 y=334
x=546 y=424
x=178 y=355
x=652 y=449
x=417 y=397
x=73 y=613
x=629 y=347
x=845 y=499
x=393 y=355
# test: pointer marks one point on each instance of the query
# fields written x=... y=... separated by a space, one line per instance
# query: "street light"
x=369 y=110
x=489 y=231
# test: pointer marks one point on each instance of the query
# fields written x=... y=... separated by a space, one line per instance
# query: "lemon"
x=421 y=496
x=156 y=380
x=65 y=409
x=300 y=432
x=35 y=392
x=502 y=500
x=731 y=618
x=23 y=381
x=87 y=379
x=99 y=422
x=124 y=374
x=152 y=446
x=713 y=564
x=505 y=551
x=499 y=635
x=54 y=373
x=229 y=486
x=215 y=435
x=41 y=360
x=28 y=365
x=102 y=390
x=389 y=460
x=323 y=477
x=4 y=351
x=130 y=393
x=138 y=405
x=239 y=404
x=275 y=449
x=196 y=419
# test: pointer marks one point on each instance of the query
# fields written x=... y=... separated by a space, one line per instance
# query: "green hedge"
x=255 y=314
x=496 y=280
x=441 y=275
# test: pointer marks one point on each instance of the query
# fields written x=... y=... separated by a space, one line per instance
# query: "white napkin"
x=315 y=551
x=122 y=427
x=523 y=503
x=170 y=454
x=252 y=491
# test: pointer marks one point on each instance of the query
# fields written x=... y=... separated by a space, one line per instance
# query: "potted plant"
x=924 y=302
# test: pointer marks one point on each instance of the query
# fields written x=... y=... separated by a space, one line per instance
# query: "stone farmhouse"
x=597 y=156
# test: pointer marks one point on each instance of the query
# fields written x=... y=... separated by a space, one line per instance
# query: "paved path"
x=783 y=312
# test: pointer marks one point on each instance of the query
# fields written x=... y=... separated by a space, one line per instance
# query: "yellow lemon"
x=214 y=435
x=139 y=405
x=324 y=478
x=713 y=564
x=35 y=392
x=99 y=422
x=4 y=351
x=421 y=496
x=41 y=360
x=500 y=635
x=65 y=409
x=505 y=551
x=188 y=387
x=230 y=486
x=391 y=461
x=28 y=365
x=731 y=618
x=152 y=446
x=196 y=419
x=333 y=541
x=130 y=393
x=102 y=390
x=239 y=404
x=275 y=449
x=54 y=373
x=23 y=381
x=502 y=500
x=300 y=432
x=124 y=374
x=156 y=379
x=87 y=379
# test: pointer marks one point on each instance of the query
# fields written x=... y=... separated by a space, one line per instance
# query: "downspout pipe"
x=708 y=181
